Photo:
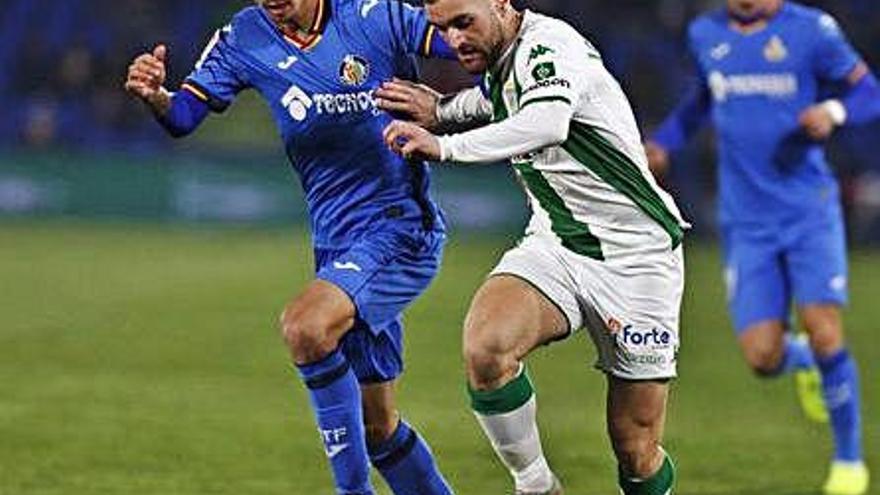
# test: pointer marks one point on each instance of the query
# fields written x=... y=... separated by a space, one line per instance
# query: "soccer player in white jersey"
x=602 y=250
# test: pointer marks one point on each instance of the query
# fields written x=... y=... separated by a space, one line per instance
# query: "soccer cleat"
x=556 y=489
x=808 y=383
x=847 y=478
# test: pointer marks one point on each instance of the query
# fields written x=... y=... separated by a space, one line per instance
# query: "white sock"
x=514 y=436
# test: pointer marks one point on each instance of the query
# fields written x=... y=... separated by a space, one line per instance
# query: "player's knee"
x=765 y=361
x=638 y=456
x=380 y=428
x=487 y=364
x=306 y=336
x=826 y=339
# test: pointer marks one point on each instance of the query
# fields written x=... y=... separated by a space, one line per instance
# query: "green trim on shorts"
x=659 y=484
x=508 y=398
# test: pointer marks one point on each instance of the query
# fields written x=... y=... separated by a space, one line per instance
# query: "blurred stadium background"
x=141 y=276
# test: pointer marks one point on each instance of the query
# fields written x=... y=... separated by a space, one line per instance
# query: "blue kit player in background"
x=377 y=235
x=764 y=68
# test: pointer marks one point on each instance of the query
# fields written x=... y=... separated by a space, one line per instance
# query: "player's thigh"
x=529 y=299
x=315 y=320
x=636 y=418
x=509 y=315
x=817 y=261
x=757 y=285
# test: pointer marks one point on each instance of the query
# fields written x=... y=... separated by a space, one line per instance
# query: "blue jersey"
x=756 y=85
x=320 y=92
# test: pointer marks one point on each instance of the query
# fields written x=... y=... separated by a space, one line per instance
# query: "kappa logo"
x=348 y=265
x=539 y=51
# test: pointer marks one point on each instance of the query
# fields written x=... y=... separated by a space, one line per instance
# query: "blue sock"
x=796 y=355
x=840 y=384
x=336 y=400
x=407 y=464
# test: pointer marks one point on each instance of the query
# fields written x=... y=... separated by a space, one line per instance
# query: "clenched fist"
x=146 y=76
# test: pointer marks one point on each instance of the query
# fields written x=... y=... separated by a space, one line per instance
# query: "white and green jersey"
x=569 y=131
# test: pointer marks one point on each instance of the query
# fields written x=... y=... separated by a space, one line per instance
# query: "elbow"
x=551 y=122
x=555 y=132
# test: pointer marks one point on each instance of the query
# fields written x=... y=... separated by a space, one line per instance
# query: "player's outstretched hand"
x=417 y=101
x=411 y=141
x=817 y=122
x=146 y=76
x=658 y=158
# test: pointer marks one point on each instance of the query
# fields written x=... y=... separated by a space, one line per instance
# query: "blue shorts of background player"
x=767 y=269
x=381 y=274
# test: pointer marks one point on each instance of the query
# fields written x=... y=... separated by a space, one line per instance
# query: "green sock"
x=507 y=398
x=658 y=484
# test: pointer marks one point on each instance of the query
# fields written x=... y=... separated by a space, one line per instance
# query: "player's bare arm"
x=146 y=77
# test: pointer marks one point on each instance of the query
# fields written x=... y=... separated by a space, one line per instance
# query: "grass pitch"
x=146 y=360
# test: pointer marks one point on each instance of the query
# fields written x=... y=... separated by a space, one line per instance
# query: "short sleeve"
x=835 y=57
x=547 y=69
x=217 y=77
x=401 y=26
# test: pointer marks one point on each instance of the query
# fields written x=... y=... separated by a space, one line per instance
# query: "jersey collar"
x=316 y=30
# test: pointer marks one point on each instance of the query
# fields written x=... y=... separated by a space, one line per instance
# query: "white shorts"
x=631 y=309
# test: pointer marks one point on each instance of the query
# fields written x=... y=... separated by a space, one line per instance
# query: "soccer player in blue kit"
x=377 y=235
x=763 y=67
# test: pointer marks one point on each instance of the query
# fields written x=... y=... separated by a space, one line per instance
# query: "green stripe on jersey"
x=496 y=96
x=575 y=235
x=587 y=146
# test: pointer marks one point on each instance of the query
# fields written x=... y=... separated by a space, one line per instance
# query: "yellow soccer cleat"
x=808 y=383
x=847 y=478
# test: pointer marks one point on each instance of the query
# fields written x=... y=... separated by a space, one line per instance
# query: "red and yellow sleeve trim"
x=195 y=91
x=429 y=38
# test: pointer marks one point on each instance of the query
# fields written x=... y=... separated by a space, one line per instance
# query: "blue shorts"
x=382 y=273
x=766 y=269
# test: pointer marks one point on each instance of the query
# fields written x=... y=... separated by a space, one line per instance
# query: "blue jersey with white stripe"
x=757 y=85
x=320 y=88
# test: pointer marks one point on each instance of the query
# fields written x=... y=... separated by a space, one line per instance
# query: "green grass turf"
x=146 y=360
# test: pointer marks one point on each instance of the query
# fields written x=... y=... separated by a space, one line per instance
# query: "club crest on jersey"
x=354 y=70
x=544 y=71
x=775 y=51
